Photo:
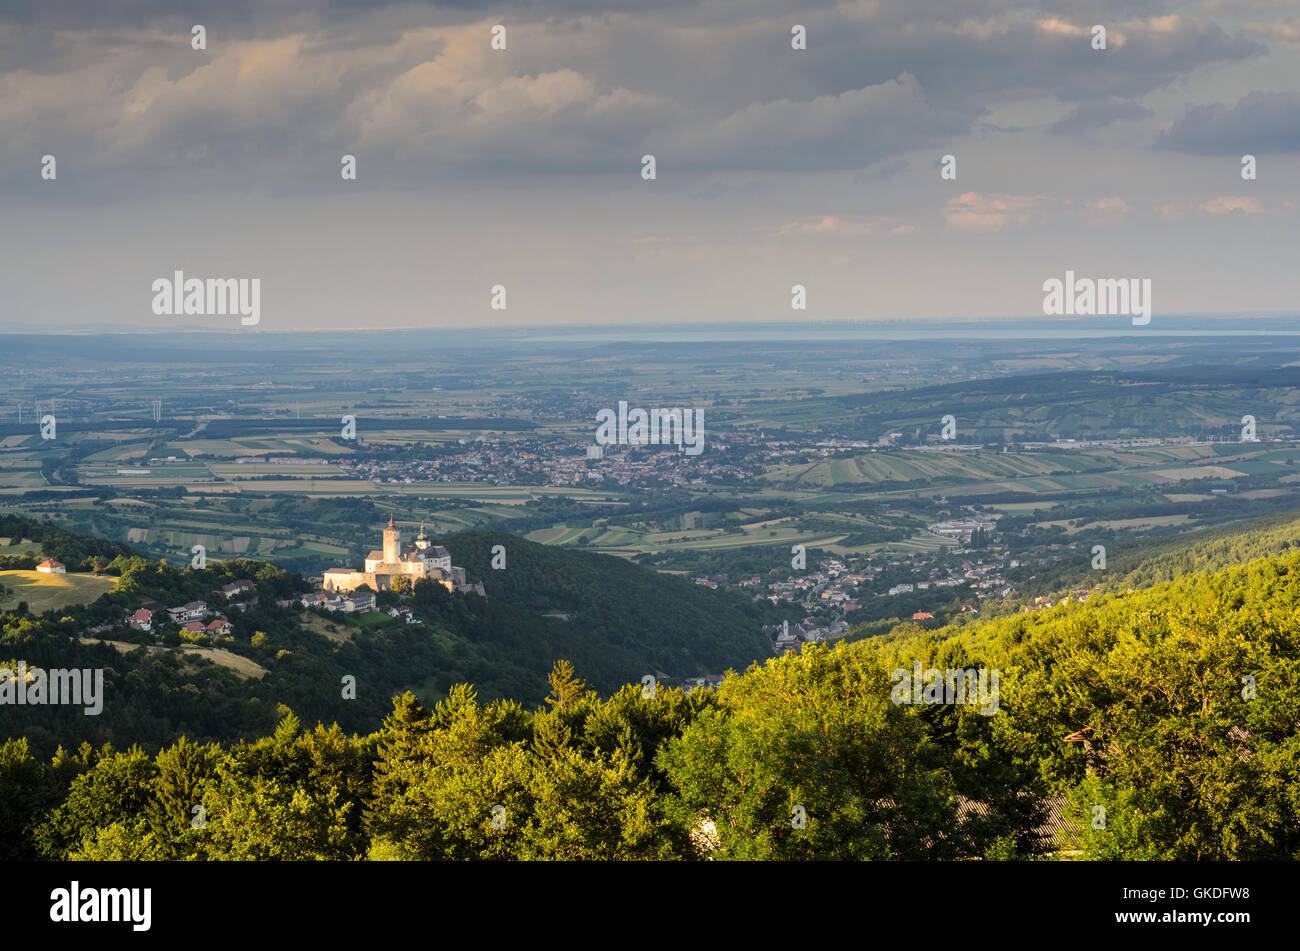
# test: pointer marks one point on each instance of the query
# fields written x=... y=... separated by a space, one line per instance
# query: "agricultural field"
x=1037 y=471
x=1164 y=455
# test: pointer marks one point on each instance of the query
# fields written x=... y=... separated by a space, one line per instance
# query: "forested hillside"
x=669 y=624
x=1145 y=563
x=77 y=552
x=624 y=622
x=1166 y=719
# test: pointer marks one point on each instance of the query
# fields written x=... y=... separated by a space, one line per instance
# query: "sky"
x=522 y=167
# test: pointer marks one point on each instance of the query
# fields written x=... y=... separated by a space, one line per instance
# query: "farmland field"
x=851 y=461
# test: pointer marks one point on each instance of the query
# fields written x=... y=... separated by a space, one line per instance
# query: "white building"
x=421 y=560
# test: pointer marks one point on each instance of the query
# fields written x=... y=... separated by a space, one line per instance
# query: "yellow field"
x=242 y=666
x=319 y=625
x=43 y=592
x=1199 y=472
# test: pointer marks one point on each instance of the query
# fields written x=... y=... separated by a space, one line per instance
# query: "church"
x=421 y=560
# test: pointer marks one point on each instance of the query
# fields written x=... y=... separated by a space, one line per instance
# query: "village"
x=554 y=462
x=196 y=618
x=842 y=591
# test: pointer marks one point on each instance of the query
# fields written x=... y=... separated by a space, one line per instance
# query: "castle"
x=421 y=560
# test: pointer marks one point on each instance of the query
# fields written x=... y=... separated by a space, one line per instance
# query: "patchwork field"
x=1028 y=471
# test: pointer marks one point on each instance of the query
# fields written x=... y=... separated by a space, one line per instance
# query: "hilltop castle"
x=421 y=560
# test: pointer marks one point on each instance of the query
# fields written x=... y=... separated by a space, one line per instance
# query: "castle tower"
x=422 y=540
x=392 y=543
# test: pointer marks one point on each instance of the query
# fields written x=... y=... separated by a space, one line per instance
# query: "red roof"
x=50 y=563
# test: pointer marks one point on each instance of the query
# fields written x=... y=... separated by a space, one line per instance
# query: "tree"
x=27 y=789
x=295 y=795
x=808 y=758
x=115 y=789
x=184 y=770
x=454 y=787
x=592 y=807
x=566 y=688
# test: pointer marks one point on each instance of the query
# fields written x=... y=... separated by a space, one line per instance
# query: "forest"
x=1154 y=724
x=620 y=622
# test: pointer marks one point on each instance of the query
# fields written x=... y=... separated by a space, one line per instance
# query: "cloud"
x=850 y=130
x=1170 y=210
x=1223 y=205
x=841 y=226
x=1106 y=211
x=882 y=171
x=1280 y=31
x=585 y=86
x=826 y=224
x=1260 y=122
x=1095 y=115
x=1062 y=28
x=1230 y=204
x=975 y=212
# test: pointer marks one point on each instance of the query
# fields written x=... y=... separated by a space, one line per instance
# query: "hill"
x=50 y=540
x=44 y=592
x=623 y=622
x=1158 y=725
x=664 y=623
x=1144 y=563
